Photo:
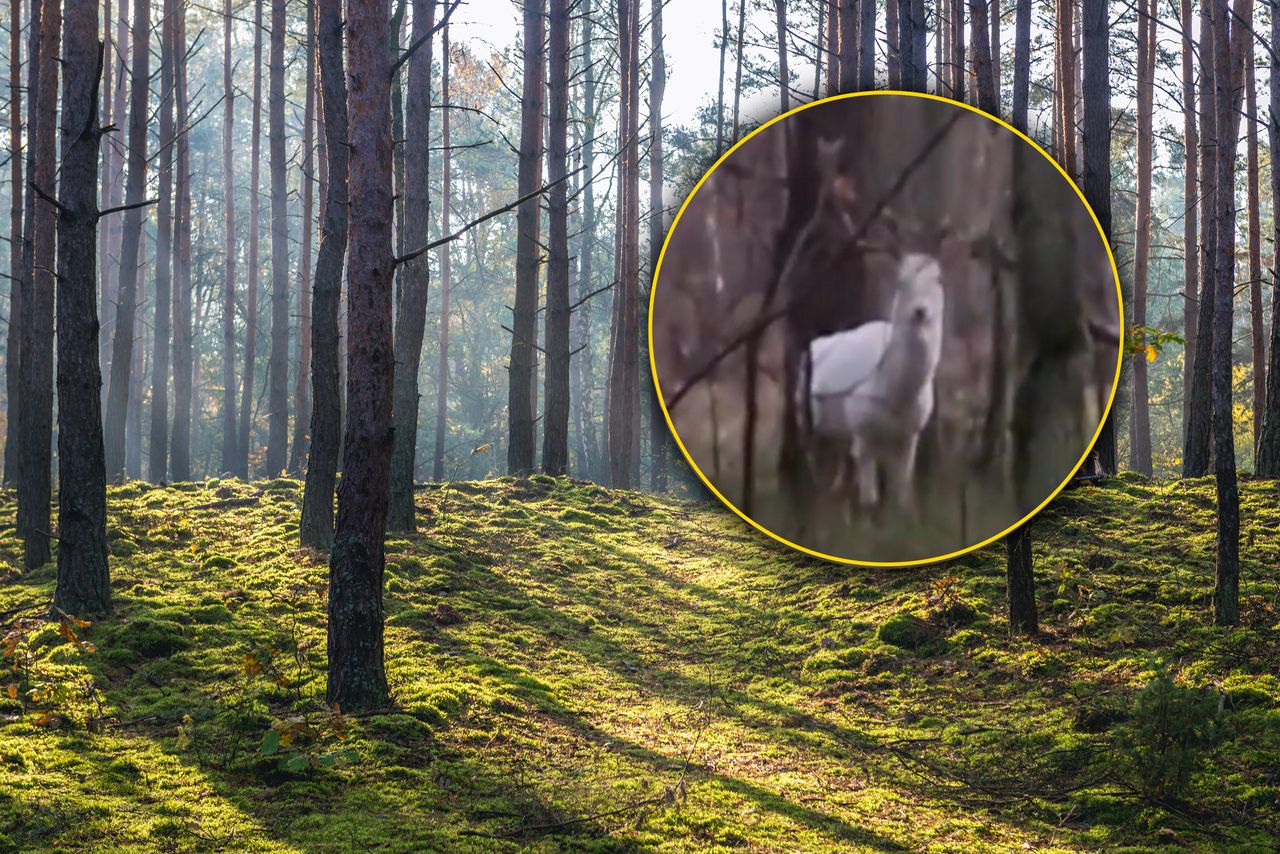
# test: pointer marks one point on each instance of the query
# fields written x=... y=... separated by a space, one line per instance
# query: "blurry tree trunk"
x=183 y=362
x=13 y=335
x=848 y=52
x=832 y=46
x=522 y=388
x=555 y=418
x=116 y=143
x=357 y=676
x=230 y=458
x=982 y=57
x=1268 y=451
x=446 y=199
x=958 y=59
x=316 y=527
x=107 y=185
x=1230 y=57
x=1140 y=412
x=659 y=440
x=302 y=381
x=1021 y=63
x=867 y=44
x=624 y=350
x=906 y=63
x=137 y=375
x=995 y=49
x=1096 y=146
x=278 y=363
x=35 y=430
x=893 y=48
x=397 y=142
x=1021 y=583
x=1255 y=256
x=251 y=261
x=737 y=75
x=784 y=75
x=585 y=362
x=1191 y=207
x=83 y=586
x=411 y=313
x=919 y=48
x=1066 y=80
x=158 y=438
x=1195 y=453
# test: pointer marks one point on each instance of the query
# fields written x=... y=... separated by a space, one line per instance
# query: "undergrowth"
x=575 y=668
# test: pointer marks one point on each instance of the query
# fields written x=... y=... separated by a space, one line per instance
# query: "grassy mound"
x=585 y=669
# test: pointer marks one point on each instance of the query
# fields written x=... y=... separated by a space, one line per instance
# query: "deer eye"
x=919 y=313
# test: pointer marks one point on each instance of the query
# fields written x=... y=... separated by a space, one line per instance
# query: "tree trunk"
x=995 y=48
x=1268 y=452
x=833 y=46
x=446 y=199
x=357 y=676
x=1140 y=412
x=784 y=75
x=158 y=440
x=586 y=416
x=1066 y=79
x=724 y=43
x=183 y=363
x=893 y=47
x=230 y=455
x=1255 y=258
x=113 y=224
x=867 y=44
x=522 y=388
x=555 y=418
x=278 y=362
x=1021 y=63
x=1230 y=52
x=83 y=586
x=624 y=403
x=13 y=337
x=1195 y=453
x=36 y=370
x=1021 y=583
x=398 y=146
x=1190 y=249
x=659 y=439
x=316 y=527
x=958 y=50
x=251 y=262
x=737 y=75
x=411 y=314
x=987 y=100
x=302 y=382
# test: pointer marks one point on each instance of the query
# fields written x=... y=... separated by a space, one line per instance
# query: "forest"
x=339 y=510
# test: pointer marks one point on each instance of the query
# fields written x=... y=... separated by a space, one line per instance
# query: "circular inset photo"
x=886 y=328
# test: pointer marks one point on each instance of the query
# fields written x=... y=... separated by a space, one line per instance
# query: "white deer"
x=872 y=387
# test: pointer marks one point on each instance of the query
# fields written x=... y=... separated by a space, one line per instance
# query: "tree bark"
x=893 y=48
x=987 y=100
x=1195 y=453
x=230 y=455
x=867 y=44
x=83 y=586
x=158 y=439
x=1268 y=452
x=183 y=361
x=252 y=260
x=1066 y=79
x=1255 y=257
x=1140 y=411
x=737 y=75
x=555 y=419
x=316 y=527
x=357 y=677
x=446 y=199
x=302 y=381
x=833 y=46
x=1021 y=63
x=522 y=387
x=36 y=370
x=411 y=314
x=586 y=416
x=1191 y=208
x=995 y=48
x=1021 y=583
x=848 y=53
x=13 y=337
x=659 y=439
x=278 y=362
x=784 y=75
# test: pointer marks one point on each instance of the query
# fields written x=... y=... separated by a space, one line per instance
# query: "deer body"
x=871 y=387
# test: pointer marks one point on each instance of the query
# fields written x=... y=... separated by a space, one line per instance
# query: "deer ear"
x=828 y=152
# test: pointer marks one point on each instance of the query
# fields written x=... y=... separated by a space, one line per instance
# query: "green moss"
x=907 y=631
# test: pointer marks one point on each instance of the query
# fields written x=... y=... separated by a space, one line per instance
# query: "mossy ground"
x=582 y=669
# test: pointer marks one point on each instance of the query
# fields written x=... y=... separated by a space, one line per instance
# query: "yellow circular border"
x=1115 y=385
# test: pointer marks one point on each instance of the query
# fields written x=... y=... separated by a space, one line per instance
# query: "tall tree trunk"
x=832 y=42
x=784 y=75
x=1268 y=451
x=316 y=527
x=357 y=675
x=1230 y=52
x=987 y=100
x=555 y=417
x=252 y=260
x=1195 y=453
x=36 y=370
x=737 y=74
x=659 y=439
x=446 y=199
x=893 y=48
x=302 y=382
x=83 y=585
x=1066 y=79
x=586 y=416
x=411 y=314
x=113 y=224
x=848 y=53
x=230 y=456
x=919 y=52
x=278 y=362
x=1191 y=208
x=624 y=389
x=183 y=362
x=522 y=388
x=1255 y=257
x=13 y=337
x=158 y=440
x=1140 y=412
x=397 y=142
x=867 y=44
x=137 y=375
x=995 y=48
x=724 y=44
x=107 y=187
x=1096 y=147
x=1021 y=583
x=1021 y=63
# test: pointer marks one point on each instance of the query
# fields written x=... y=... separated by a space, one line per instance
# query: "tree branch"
x=404 y=57
x=119 y=208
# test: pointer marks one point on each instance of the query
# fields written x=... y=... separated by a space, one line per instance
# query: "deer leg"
x=902 y=475
x=865 y=465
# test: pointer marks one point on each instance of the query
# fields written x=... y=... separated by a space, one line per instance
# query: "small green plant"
x=42 y=690
x=1149 y=342
x=307 y=741
x=1169 y=729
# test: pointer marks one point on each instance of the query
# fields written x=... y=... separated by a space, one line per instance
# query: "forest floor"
x=576 y=668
